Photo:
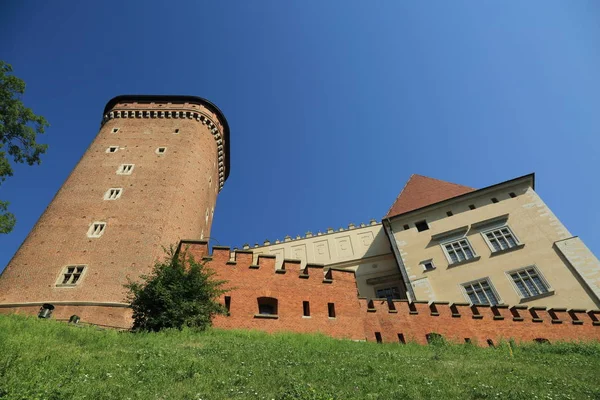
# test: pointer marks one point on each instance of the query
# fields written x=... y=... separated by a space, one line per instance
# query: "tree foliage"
x=180 y=292
x=19 y=128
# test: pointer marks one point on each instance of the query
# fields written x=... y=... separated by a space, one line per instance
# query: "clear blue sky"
x=332 y=105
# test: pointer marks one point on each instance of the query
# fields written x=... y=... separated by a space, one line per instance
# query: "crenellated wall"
x=364 y=319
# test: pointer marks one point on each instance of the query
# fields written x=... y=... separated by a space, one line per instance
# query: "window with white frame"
x=125 y=169
x=115 y=130
x=113 y=193
x=112 y=149
x=458 y=250
x=500 y=239
x=71 y=275
x=481 y=292
x=529 y=282
x=96 y=229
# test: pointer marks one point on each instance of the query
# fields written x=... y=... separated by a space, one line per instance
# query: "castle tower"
x=149 y=179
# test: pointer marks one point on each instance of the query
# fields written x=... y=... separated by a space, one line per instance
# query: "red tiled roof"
x=421 y=191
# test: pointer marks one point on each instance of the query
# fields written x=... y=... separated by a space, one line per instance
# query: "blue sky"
x=332 y=105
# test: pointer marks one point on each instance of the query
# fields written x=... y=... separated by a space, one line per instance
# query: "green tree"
x=179 y=292
x=19 y=127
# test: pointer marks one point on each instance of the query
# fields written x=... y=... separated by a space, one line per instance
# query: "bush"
x=179 y=292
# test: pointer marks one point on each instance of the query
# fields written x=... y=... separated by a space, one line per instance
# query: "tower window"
x=331 y=310
x=96 y=229
x=113 y=193
x=421 y=226
x=306 y=308
x=161 y=150
x=71 y=275
x=176 y=132
x=125 y=169
x=112 y=149
x=115 y=130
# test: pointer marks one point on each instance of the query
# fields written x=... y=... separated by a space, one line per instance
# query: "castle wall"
x=361 y=318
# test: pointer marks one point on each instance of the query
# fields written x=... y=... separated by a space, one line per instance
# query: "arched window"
x=267 y=306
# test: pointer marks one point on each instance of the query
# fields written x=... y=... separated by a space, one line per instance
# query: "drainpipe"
x=390 y=234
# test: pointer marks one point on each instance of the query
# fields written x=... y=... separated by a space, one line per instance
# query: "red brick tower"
x=150 y=178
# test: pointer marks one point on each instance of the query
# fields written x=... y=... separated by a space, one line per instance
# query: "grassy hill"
x=44 y=359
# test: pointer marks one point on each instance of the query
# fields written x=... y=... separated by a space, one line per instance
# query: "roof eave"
x=465 y=195
x=178 y=98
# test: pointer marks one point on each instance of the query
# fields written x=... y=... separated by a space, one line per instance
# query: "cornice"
x=182 y=113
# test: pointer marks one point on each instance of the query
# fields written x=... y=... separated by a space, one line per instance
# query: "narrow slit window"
x=112 y=149
x=401 y=339
x=378 y=337
x=161 y=150
x=176 y=132
x=306 y=308
x=125 y=169
x=228 y=304
x=97 y=229
x=115 y=130
x=113 y=193
x=331 y=310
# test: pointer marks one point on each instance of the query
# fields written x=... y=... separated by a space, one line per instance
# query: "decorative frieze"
x=205 y=120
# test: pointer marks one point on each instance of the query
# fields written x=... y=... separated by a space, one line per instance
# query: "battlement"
x=314 y=298
x=233 y=263
x=309 y=235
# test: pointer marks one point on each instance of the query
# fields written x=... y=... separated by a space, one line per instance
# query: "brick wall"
x=355 y=318
x=360 y=318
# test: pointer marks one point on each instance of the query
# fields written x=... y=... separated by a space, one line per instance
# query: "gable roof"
x=421 y=191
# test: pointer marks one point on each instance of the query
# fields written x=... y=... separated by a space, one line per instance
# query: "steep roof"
x=421 y=191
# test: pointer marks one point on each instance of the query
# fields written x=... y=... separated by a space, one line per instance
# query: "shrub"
x=179 y=292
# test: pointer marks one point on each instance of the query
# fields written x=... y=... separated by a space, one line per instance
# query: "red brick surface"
x=360 y=319
x=163 y=201
x=356 y=318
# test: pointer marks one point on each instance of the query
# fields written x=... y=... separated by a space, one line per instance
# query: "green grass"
x=44 y=359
